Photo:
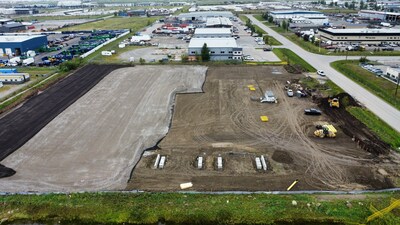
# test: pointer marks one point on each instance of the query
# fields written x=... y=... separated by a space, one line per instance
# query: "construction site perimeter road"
x=95 y=143
x=224 y=121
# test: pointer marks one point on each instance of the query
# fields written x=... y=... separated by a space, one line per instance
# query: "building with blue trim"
x=18 y=45
x=314 y=17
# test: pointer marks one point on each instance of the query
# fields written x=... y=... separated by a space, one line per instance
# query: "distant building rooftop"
x=11 y=25
x=5 y=20
x=215 y=21
x=202 y=31
x=379 y=12
x=5 y=38
x=206 y=14
x=213 y=42
x=295 y=12
x=362 y=31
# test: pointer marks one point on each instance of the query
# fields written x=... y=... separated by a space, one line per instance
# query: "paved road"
x=386 y=112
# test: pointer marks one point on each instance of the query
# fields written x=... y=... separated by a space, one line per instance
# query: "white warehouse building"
x=219 y=22
x=314 y=17
x=360 y=36
x=220 y=48
x=212 y=33
x=204 y=15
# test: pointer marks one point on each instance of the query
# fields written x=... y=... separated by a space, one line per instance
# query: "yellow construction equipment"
x=264 y=118
x=394 y=203
x=333 y=102
x=325 y=131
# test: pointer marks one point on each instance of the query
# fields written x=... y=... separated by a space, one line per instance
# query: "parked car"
x=290 y=92
x=267 y=49
x=312 y=111
x=248 y=58
x=388 y=49
x=321 y=73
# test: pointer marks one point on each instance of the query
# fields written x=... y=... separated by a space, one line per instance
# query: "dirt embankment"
x=353 y=127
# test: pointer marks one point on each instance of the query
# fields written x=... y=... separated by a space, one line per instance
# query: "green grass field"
x=116 y=23
x=175 y=208
x=292 y=58
x=376 y=85
x=44 y=18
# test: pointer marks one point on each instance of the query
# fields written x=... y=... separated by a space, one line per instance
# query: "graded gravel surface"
x=95 y=143
x=18 y=126
x=225 y=121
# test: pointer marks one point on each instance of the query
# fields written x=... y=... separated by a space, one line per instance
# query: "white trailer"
x=28 y=61
x=258 y=163
x=162 y=162
x=269 y=97
x=219 y=163
x=200 y=162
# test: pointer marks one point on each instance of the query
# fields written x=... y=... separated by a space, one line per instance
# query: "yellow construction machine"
x=333 y=102
x=325 y=131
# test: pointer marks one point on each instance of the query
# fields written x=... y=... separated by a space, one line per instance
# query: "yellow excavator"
x=325 y=131
x=333 y=102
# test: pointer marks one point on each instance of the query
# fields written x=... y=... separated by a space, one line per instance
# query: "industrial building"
x=212 y=33
x=378 y=15
x=12 y=27
x=18 y=45
x=222 y=22
x=220 y=48
x=204 y=15
x=360 y=36
x=314 y=17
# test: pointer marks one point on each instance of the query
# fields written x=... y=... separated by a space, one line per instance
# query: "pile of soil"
x=296 y=69
x=6 y=172
x=353 y=127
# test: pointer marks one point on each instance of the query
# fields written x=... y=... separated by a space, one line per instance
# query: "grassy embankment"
x=292 y=58
x=306 y=45
x=376 y=85
x=379 y=87
x=175 y=208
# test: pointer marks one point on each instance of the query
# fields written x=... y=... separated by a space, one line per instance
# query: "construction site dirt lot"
x=225 y=121
x=95 y=142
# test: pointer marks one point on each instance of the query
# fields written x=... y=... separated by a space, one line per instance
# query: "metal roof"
x=295 y=12
x=11 y=25
x=378 y=12
x=213 y=42
x=200 y=31
x=362 y=31
x=206 y=14
x=215 y=21
x=5 y=38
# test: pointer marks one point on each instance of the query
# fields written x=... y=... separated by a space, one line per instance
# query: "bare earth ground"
x=95 y=143
x=224 y=121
